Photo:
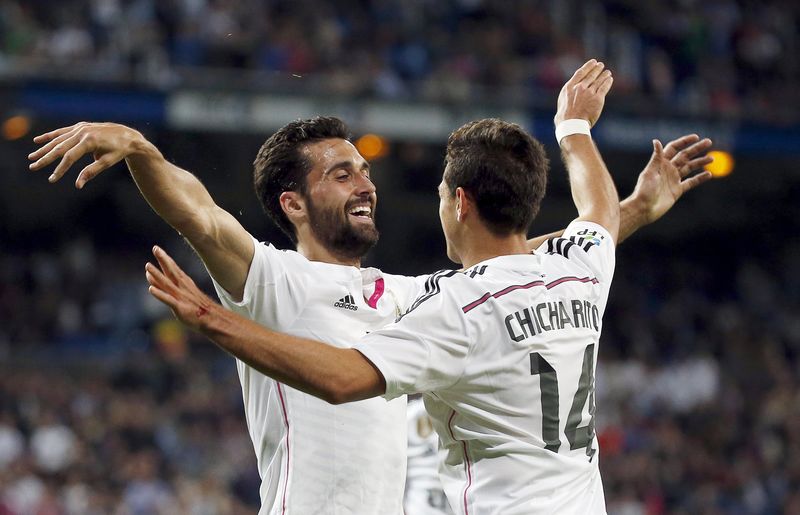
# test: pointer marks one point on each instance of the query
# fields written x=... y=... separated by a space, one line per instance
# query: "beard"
x=335 y=231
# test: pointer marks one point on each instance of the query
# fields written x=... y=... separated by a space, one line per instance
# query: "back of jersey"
x=505 y=356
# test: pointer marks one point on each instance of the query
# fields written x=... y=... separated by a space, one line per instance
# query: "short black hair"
x=503 y=168
x=281 y=164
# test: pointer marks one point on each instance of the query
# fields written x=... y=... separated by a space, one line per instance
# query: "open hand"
x=584 y=95
x=172 y=286
x=108 y=143
x=665 y=178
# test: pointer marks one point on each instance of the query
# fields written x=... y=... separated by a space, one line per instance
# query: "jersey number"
x=578 y=437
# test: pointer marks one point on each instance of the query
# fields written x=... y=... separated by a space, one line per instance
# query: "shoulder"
x=579 y=237
x=286 y=262
x=447 y=291
x=584 y=246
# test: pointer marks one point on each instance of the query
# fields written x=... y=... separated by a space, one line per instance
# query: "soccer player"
x=503 y=351
x=312 y=456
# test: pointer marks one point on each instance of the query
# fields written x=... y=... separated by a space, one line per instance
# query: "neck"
x=313 y=251
x=482 y=245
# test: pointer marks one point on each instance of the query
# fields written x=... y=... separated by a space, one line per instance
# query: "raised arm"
x=661 y=183
x=175 y=194
x=593 y=190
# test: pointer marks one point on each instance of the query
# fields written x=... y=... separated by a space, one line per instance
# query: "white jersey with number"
x=505 y=355
x=314 y=457
x=424 y=493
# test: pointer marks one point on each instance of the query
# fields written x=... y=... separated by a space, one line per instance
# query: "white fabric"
x=572 y=126
x=315 y=457
x=464 y=348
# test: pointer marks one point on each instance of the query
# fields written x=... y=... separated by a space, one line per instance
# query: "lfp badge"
x=591 y=237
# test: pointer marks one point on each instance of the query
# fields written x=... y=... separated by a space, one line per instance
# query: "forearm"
x=632 y=217
x=593 y=190
x=176 y=195
x=333 y=374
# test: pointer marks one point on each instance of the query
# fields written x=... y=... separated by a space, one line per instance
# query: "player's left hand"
x=172 y=286
x=665 y=178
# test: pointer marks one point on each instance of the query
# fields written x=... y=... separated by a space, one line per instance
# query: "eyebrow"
x=346 y=164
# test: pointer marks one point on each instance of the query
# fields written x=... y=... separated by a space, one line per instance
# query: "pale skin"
x=226 y=247
x=342 y=375
x=339 y=178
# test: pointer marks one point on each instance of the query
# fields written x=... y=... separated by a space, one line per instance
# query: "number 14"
x=578 y=437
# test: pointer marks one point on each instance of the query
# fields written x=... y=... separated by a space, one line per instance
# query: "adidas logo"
x=346 y=302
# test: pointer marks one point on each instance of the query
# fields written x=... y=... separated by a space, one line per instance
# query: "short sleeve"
x=587 y=244
x=274 y=291
x=424 y=351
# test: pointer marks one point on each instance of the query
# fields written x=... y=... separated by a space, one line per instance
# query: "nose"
x=364 y=185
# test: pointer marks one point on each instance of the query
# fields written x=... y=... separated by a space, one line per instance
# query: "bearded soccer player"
x=504 y=350
x=312 y=456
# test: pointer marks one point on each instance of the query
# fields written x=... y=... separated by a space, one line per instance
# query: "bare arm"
x=333 y=374
x=175 y=194
x=593 y=190
x=661 y=183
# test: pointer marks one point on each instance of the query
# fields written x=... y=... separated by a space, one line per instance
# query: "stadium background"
x=108 y=406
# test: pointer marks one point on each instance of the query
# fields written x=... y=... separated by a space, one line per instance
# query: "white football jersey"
x=505 y=355
x=314 y=457
x=424 y=493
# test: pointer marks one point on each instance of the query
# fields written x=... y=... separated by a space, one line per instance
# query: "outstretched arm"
x=333 y=374
x=593 y=190
x=661 y=183
x=175 y=194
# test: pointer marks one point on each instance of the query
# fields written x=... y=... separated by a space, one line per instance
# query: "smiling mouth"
x=360 y=212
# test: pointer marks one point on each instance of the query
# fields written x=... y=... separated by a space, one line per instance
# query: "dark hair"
x=281 y=165
x=504 y=170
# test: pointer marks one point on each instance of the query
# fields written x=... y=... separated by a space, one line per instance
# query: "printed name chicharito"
x=550 y=316
x=346 y=302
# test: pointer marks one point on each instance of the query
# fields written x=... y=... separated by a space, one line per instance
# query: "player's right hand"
x=108 y=143
x=172 y=286
x=584 y=95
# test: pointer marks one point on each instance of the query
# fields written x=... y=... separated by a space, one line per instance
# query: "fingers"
x=677 y=144
x=169 y=266
x=157 y=278
x=658 y=149
x=77 y=150
x=583 y=71
x=698 y=148
x=593 y=74
x=683 y=158
x=603 y=84
x=37 y=154
x=94 y=169
x=59 y=149
x=164 y=297
x=696 y=164
x=42 y=138
x=695 y=181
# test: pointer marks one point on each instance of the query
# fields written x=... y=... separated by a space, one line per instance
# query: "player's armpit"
x=226 y=249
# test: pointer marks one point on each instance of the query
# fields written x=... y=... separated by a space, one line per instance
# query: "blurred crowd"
x=107 y=405
x=730 y=58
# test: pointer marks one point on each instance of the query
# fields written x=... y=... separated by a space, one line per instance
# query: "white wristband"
x=570 y=127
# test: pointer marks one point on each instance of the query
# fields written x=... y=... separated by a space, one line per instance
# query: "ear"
x=293 y=204
x=463 y=204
